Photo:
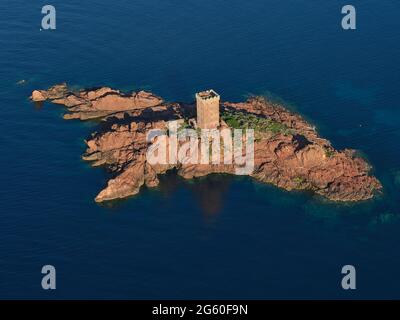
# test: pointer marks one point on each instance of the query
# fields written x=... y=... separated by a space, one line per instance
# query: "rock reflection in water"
x=208 y=191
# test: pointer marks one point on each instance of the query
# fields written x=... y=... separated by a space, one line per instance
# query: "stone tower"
x=207 y=103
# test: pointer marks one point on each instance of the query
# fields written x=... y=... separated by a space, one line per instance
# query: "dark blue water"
x=218 y=237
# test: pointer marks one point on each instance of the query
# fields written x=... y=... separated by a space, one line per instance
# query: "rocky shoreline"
x=288 y=151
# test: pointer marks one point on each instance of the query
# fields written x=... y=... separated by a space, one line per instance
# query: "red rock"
x=98 y=103
x=38 y=96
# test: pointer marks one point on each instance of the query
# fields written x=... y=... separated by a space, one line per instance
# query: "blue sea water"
x=216 y=237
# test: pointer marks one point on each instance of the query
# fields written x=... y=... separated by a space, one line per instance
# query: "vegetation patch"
x=184 y=125
x=243 y=120
x=299 y=181
x=329 y=152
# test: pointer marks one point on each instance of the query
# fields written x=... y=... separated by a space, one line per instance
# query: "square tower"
x=207 y=105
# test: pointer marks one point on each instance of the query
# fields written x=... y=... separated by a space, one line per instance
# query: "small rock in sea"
x=38 y=96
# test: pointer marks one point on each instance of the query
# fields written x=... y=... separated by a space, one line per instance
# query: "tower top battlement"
x=207 y=94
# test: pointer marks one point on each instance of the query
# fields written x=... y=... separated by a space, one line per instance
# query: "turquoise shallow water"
x=218 y=237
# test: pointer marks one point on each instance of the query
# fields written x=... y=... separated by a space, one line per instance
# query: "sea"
x=217 y=237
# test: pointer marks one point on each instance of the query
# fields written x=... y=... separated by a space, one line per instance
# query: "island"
x=288 y=152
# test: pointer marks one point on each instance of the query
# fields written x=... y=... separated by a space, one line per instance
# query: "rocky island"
x=288 y=151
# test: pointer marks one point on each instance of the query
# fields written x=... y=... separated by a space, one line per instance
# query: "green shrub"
x=242 y=120
x=184 y=125
x=329 y=152
x=299 y=181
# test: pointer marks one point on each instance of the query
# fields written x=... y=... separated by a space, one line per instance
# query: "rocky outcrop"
x=305 y=161
x=297 y=159
x=96 y=103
